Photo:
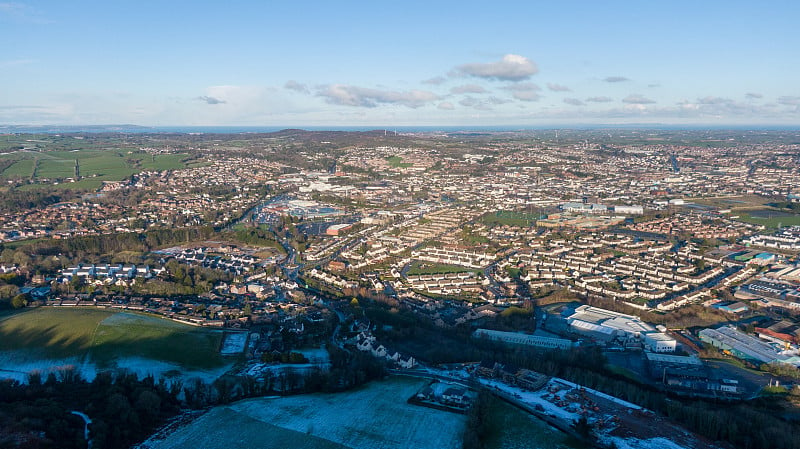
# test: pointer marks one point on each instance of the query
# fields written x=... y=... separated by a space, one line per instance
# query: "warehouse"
x=606 y=325
x=743 y=346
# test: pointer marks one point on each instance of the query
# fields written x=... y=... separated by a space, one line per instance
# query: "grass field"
x=733 y=202
x=95 y=165
x=397 y=162
x=418 y=268
x=104 y=337
x=511 y=428
x=510 y=218
x=763 y=217
x=375 y=416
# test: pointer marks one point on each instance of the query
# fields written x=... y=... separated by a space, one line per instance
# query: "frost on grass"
x=652 y=443
x=234 y=343
x=374 y=417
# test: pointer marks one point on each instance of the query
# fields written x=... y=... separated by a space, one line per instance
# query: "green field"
x=512 y=428
x=418 y=268
x=21 y=169
x=94 y=165
x=104 y=336
x=771 y=222
x=397 y=162
x=510 y=218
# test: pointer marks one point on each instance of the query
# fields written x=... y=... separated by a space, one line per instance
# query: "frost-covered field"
x=374 y=417
x=633 y=443
x=18 y=364
x=88 y=340
x=234 y=343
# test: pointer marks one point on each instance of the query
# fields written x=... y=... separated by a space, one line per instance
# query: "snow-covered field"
x=374 y=417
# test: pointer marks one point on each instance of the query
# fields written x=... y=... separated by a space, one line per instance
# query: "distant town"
x=592 y=278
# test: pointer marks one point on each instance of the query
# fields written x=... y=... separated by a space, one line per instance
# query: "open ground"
x=93 y=339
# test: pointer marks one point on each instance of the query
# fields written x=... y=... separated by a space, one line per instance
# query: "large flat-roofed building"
x=742 y=345
x=660 y=342
x=607 y=325
x=524 y=339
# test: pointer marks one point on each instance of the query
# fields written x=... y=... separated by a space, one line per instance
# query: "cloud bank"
x=510 y=68
x=347 y=95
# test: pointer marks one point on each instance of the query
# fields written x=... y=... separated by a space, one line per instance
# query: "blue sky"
x=352 y=63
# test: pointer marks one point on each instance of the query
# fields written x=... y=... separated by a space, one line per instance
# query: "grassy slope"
x=372 y=417
x=106 y=335
x=511 y=428
x=210 y=432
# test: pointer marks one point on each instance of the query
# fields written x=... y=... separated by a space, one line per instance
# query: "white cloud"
x=599 y=99
x=558 y=87
x=510 y=68
x=468 y=89
x=210 y=100
x=637 y=99
x=297 y=87
x=615 y=79
x=482 y=104
x=789 y=101
x=343 y=94
x=446 y=106
x=573 y=101
x=753 y=95
x=714 y=100
x=436 y=80
x=524 y=91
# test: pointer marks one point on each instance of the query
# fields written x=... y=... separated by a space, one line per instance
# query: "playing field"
x=422 y=268
x=771 y=219
x=104 y=339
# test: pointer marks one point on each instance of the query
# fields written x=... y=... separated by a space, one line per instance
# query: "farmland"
x=372 y=417
x=88 y=167
x=100 y=339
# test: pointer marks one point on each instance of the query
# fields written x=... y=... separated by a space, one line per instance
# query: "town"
x=673 y=258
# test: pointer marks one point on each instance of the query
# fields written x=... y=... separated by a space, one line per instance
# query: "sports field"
x=104 y=339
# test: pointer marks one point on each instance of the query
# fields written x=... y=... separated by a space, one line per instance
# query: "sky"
x=403 y=63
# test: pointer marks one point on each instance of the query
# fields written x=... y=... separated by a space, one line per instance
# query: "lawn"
x=104 y=337
x=375 y=416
